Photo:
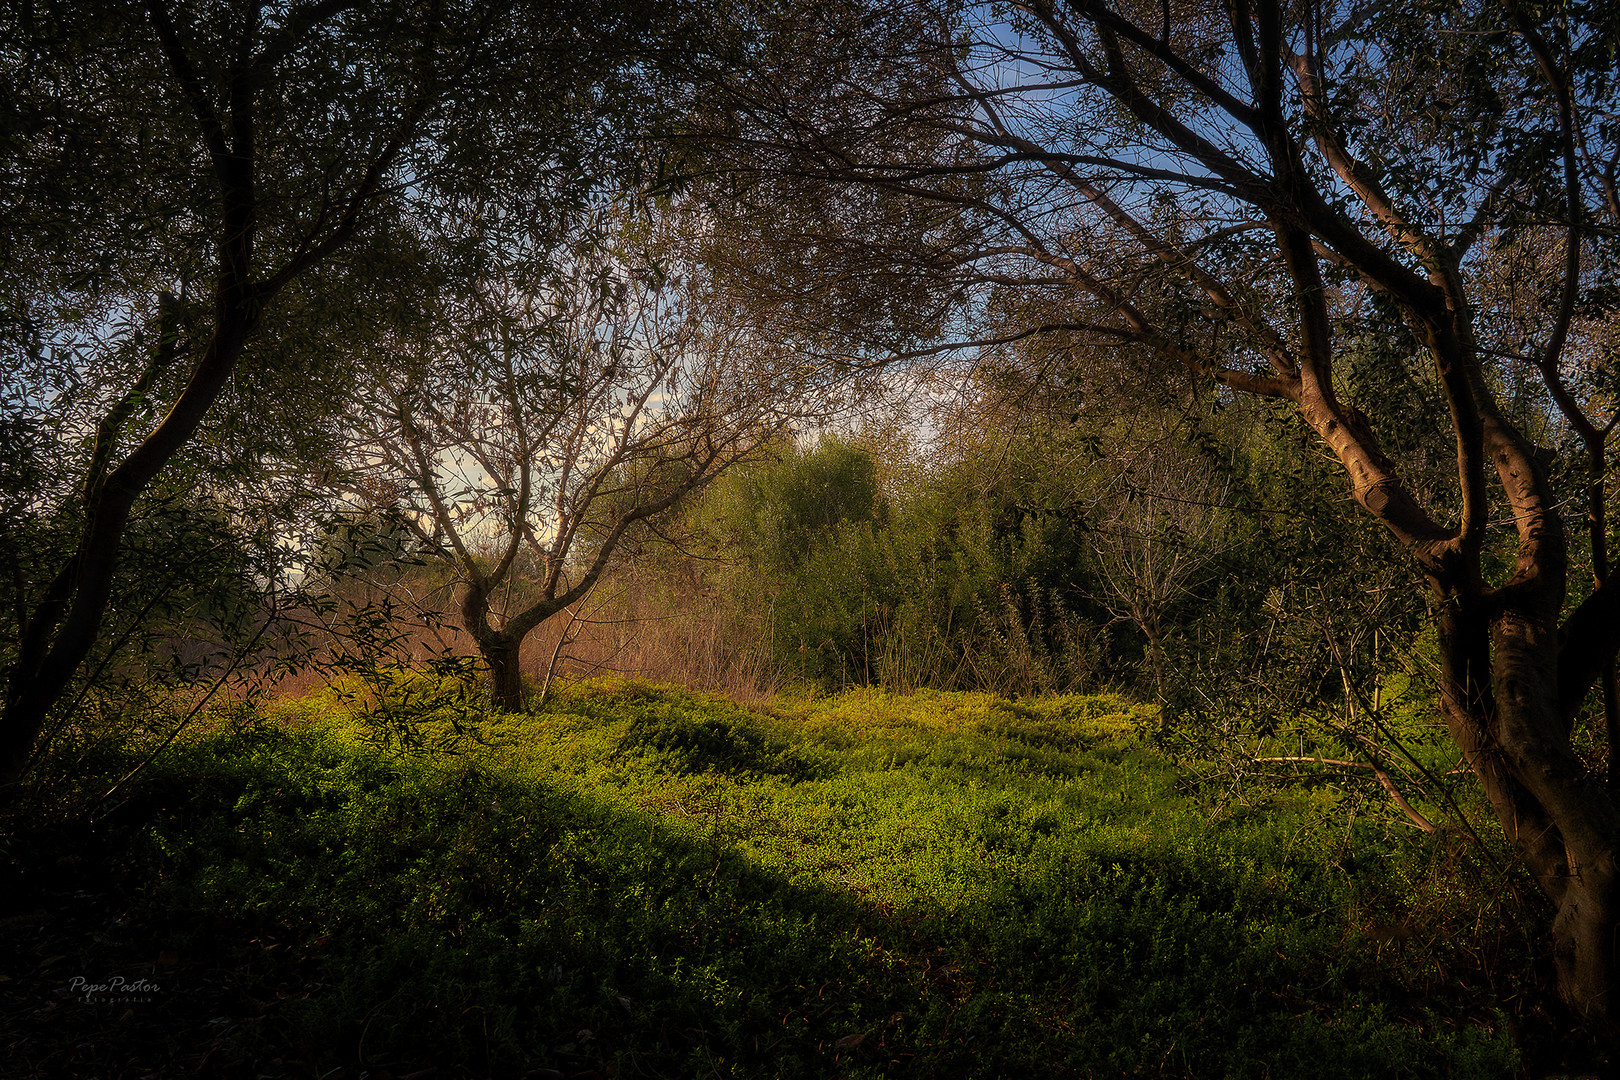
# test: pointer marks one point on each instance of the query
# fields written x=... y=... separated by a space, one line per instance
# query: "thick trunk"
x=501 y=653
x=1533 y=736
x=500 y=643
x=1502 y=707
x=1583 y=936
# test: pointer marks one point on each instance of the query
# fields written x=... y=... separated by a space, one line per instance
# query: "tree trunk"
x=501 y=653
x=1584 y=815
x=63 y=625
x=1500 y=695
x=1161 y=674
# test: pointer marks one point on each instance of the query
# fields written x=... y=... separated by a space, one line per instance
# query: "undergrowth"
x=644 y=881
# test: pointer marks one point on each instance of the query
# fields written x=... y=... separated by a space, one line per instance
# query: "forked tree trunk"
x=501 y=653
x=1500 y=698
x=500 y=642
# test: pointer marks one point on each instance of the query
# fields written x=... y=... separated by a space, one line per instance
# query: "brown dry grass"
x=684 y=632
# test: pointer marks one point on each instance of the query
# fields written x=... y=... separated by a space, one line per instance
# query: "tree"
x=1156 y=539
x=572 y=400
x=189 y=189
x=1234 y=195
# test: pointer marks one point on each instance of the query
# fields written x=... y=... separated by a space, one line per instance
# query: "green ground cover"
x=643 y=881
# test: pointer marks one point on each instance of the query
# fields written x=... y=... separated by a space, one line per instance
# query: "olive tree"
x=561 y=408
x=192 y=190
x=1231 y=195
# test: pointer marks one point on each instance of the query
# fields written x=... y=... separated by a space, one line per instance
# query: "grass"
x=644 y=881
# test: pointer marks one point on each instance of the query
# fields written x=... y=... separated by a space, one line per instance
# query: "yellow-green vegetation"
x=652 y=882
